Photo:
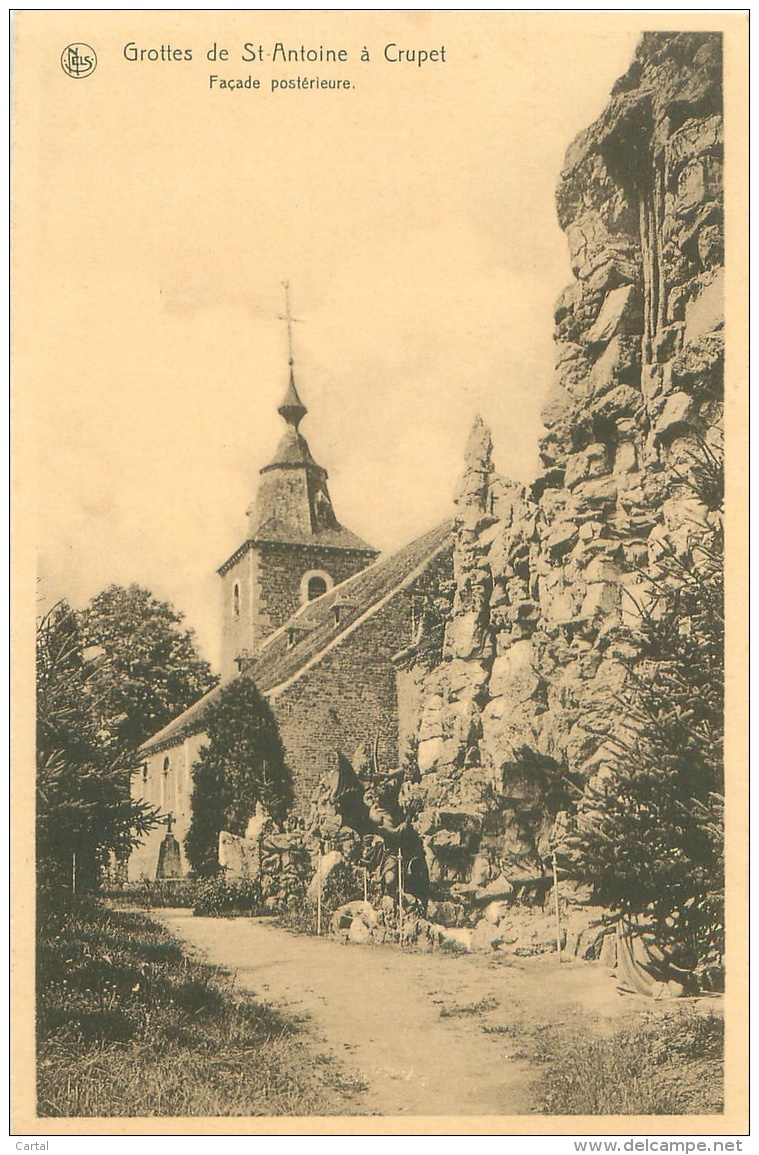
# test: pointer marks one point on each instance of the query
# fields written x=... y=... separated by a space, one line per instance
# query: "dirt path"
x=430 y=1034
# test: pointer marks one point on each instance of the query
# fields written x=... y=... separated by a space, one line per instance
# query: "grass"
x=127 y=1025
x=671 y=1065
x=480 y=1008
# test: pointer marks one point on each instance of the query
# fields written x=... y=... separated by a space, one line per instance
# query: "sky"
x=156 y=220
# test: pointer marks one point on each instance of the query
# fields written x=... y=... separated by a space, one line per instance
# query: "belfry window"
x=313 y=584
x=316 y=587
x=236 y=600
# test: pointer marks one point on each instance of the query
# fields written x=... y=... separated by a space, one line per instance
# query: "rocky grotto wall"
x=546 y=578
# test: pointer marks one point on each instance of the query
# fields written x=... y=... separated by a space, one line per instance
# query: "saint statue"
x=374 y=811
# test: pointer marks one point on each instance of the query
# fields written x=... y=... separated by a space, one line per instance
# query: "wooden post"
x=366 y=886
x=556 y=904
x=400 y=897
x=73 y=872
x=319 y=894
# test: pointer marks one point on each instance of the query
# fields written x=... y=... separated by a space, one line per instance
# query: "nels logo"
x=78 y=61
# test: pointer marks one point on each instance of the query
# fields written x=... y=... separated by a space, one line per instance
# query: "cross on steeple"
x=292 y=408
x=292 y=511
x=289 y=320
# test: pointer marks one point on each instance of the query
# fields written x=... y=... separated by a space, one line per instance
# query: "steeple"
x=292 y=450
x=293 y=502
x=293 y=505
x=292 y=408
x=295 y=548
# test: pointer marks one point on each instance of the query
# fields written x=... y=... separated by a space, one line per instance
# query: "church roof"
x=337 y=537
x=274 y=532
x=292 y=450
x=277 y=662
x=293 y=504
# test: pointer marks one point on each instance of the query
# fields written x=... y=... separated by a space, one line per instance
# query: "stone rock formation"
x=546 y=579
x=277 y=860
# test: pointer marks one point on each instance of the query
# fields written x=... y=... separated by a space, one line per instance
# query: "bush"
x=344 y=884
x=220 y=896
x=149 y=893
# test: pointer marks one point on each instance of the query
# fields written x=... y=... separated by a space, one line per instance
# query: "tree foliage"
x=83 y=806
x=649 y=834
x=107 y=678
x=242 y=765
x=145 y=666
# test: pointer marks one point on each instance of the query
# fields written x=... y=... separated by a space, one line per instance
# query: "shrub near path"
x=128 y=1026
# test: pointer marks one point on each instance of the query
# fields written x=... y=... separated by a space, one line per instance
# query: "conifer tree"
x=649 y=836
x=242 y=764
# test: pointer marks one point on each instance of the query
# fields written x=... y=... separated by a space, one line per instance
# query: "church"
x=322 y=624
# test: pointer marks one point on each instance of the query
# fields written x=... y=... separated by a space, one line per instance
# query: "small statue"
x=373 y=810
x=323 y=822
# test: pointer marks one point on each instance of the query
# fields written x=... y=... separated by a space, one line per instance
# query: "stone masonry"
x=544 y=578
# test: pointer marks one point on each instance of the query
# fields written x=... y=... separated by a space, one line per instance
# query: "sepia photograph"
x=380 y=520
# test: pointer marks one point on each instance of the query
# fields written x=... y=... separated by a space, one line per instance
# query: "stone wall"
x=347 y=700
x=268 y=578
x=239 y=614
x=547 y=579
x=280 y=570
x=165 y=780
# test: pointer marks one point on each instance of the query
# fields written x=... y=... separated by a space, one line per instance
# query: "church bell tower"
x=295 y=548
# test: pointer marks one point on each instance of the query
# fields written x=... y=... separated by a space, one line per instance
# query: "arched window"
x=166 y=784
x=236 y=600
x=316 y=587
x=313 y=584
